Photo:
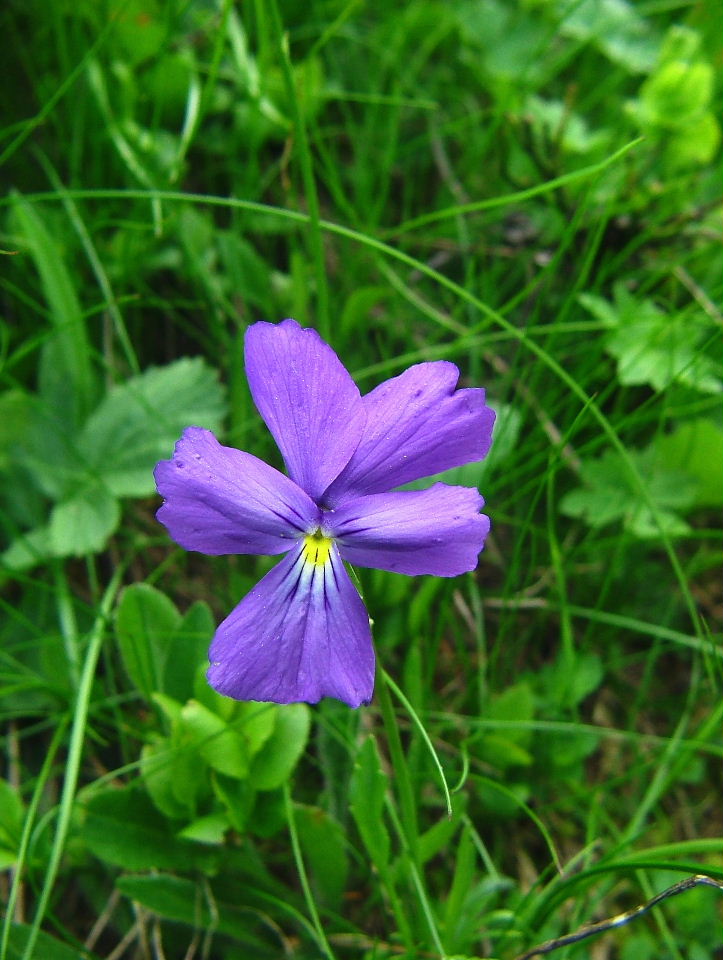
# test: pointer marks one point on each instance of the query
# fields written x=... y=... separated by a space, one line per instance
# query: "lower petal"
x=301 y=634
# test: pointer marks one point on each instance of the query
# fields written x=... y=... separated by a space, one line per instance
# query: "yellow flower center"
x=317 y=548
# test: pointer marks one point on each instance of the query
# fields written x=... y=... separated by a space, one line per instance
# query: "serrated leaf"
x=138 y=422
x=83 y=524
x=145 y=621
x=610 y=494
x=615 y=28
x=653 y=347
x=274 y=763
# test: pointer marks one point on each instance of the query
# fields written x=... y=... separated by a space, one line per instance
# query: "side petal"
x=301 y=634
x=417 y=425
x=438 y=531
x=309 y=402
x=221 y=500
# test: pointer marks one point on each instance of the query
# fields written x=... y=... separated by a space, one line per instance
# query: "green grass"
x=528 y=190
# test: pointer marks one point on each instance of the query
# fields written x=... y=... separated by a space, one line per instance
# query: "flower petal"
x=301 y=634
x=417 y=425
x=222 y=500
x=309 y=402
x=438 y=531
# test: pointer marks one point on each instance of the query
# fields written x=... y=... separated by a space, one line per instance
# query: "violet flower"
x=302 y=632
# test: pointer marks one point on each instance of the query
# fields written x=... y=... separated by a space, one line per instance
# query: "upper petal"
x=222 y=500
x=309 y=402
x=417 y=425
x=301 y=634
x=438 y=531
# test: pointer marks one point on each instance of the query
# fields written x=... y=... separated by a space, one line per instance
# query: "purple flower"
x=302 y=632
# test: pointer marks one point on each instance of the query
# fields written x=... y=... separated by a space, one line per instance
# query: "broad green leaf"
x=146 y=620
x=122 y=827
x=15 y=417
x=161 y=768
x=506 y=746
x=677 y=92
x=324 y=846
x=569 y=683
x=186 y=902
x=367 y=790
x=209 y=829
x=220 y=746
x=696 y=448
x=255 y=723
x=516 y=703
x=46 y=947
x=185 y=649
x=274 y=763
x=83 y=524
x=66 y=378
x=502 y=752
x=138 y=422
x=248 y=276
x=28 y=550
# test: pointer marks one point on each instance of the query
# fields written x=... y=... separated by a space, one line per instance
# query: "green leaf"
x=83 y=524
x=28 y=550
x=696 y=448
x=255 y=723
x=66 y=378
x=164 y=769
x=123 y=828
x=209 y=829
x=186 y=648
x=275 y=762
x=11 y=824
x=615 y=28
x=220 y=746
x=46 y=947
x=367 y=791
x=187 y=902
x=677 y=92
x=237 y=797
x=324 y=846
x=138 y=422
x=145 y=622
x=653 y=347
x=609 y=494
